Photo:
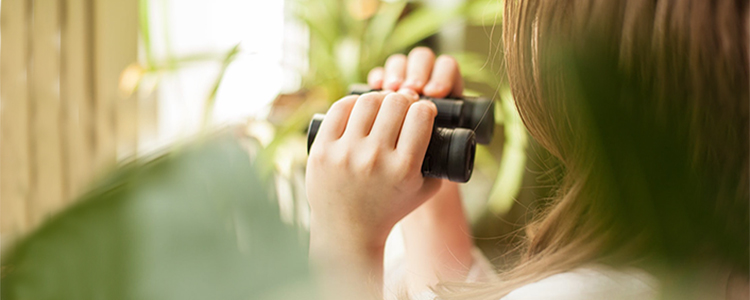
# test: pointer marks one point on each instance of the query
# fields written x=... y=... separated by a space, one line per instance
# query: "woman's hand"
x=364 y=170
x=437 y=234
x=363 y=176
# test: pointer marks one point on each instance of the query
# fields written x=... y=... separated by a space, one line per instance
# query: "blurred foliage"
x=350 y=37
x=151 y=69
x=196 y=223
x=513 y=161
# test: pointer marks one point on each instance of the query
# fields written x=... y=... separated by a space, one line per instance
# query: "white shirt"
x=590 y=282
x=584 y=283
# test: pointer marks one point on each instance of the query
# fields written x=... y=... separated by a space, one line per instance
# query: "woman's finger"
x=395 y=70
x=375 y=78
x=445 y=78
x=416 y=132
x=334 y=123
x=363 y=114
x=391 y=116
x=418 y=69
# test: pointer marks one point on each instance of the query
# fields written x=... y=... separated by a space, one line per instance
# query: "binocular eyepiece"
x=450 y=153
x=477 y=114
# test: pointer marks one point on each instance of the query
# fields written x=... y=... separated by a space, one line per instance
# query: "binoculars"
x=459 y=125
x=450 y=153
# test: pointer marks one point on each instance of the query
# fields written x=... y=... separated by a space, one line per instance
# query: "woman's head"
x=645 y=99
x=645 y=105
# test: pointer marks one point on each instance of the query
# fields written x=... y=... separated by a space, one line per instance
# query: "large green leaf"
x=194 y=224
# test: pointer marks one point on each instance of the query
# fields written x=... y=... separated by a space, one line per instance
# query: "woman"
x=643 y=103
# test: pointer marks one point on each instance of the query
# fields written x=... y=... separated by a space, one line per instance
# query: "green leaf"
x=513 y=163
x=485 y=12
x=475 y=68
x=379 y=28
x=192 y=224
x=144 y=28
x=208 y=107
x=318 y=16
x=419 y=25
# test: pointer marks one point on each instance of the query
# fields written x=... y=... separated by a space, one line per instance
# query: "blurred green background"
x=217 y=209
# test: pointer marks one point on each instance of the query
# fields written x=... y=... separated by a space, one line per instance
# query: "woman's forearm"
x=438 y=240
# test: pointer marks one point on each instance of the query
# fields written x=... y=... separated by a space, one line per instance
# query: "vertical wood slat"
x=104 y=117
x=127 y=106
x=47 y=165
x=77 y=94
x=14 y=119
x=61 y=111
x=115 y=47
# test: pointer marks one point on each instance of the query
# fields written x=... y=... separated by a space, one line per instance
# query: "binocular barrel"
x=450 y=153
x=477 y=114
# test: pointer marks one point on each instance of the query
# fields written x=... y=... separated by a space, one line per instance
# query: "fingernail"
x=409 y=93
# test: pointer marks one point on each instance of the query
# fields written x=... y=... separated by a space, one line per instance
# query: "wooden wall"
x=63 y=119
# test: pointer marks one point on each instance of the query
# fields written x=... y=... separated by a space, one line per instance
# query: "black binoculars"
x=477 y=114
x=460 y=124
x=450 y=153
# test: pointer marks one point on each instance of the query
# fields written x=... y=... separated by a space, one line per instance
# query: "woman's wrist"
x=348 y=261
x=446 y=202
x=331 y=249
x=349 y=233
x=438 y=239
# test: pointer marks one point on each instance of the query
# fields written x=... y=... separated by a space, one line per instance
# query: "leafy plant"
x=347 y=40
x=195 y=223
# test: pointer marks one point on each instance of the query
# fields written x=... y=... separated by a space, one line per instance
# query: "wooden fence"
x=63 y=119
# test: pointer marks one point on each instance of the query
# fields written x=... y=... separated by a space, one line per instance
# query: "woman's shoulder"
x=591 y=282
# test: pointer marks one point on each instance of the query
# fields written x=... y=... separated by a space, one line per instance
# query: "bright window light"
x=181 y=28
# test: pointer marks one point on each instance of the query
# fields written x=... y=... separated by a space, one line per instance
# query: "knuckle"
x=423 y=110
x=371 y=98
x=368 y=164
x=422 y=51
x=317 y=156
x=398 y=100
x=342 y=160
x=348 y=98
x=375 y=72
x=447 y=59
x=403 y=173
x=395 y=58
x=343 y=102
x=409 y=160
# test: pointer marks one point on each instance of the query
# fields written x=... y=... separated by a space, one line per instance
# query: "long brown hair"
x=645 y=105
